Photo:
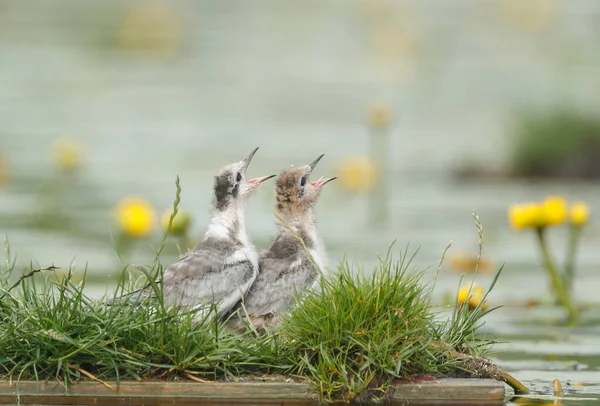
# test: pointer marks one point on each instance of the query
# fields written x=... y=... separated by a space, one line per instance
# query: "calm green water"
x=296 y=82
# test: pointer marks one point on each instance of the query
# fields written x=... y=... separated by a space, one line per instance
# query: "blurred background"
x=426 y=111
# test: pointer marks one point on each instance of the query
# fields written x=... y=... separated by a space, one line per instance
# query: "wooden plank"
x=150 y=401
x=161 y=388
x=452 y=391
x=445 y=391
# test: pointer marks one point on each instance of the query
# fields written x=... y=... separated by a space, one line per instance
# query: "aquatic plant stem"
x=378 y=198
x=485 y=368
x=574 y=234
x=513 y=382
x=557 y=281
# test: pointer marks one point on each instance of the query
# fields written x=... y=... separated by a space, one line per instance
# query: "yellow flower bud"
x=135 y=217
x=525 y=215
x=579 y=213
x=380 y=116
x=180 y=224
x=358 y=174
x=555 y=210
x=472 y=298
x=464 y=262
x=462 y=294
x=152 y=27
x=530 y=14
x=67 y=153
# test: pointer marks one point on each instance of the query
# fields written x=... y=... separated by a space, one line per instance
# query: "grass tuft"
x=52 y=330
x=360 y=332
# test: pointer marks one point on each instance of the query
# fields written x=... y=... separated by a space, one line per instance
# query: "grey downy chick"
x=286 y=268
x=223 y=266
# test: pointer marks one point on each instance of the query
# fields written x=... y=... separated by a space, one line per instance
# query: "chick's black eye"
x=239 y=177
x=302 y=181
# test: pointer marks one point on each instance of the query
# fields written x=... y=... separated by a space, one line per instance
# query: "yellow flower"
x=181 y=222
x=579 y=213
x=380 y=116
x=462 y=294
x=530 y=14
x=555 y=210
x=152 y=27
x=551 y=212
x=67 y=153
x=358 y=174
x=473 y=298
x=464 y=262
x=135 y=217
x=525 y=215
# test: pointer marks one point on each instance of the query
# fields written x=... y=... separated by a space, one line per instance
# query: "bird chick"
x=296 y=256
x=223 y=266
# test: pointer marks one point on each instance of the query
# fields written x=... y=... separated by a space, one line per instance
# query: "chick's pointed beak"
x=321 y=182
x=257 y=181
x=314 y=163
x=248 y=159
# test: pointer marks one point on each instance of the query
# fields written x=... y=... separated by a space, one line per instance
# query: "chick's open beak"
x=248 y=159
x=257 y=181
x=321 y=182
x=314 y=163
x=311 y=167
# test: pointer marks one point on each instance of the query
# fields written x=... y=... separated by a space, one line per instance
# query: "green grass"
x=359 y=332
x=559 y=142
x=52 y=330
x=352 y=337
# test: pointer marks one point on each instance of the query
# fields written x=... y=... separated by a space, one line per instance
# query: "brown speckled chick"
x=286 y=268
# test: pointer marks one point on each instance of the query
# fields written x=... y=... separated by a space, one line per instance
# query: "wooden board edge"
x=443 y=391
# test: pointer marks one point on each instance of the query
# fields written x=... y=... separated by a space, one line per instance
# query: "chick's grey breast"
x=284 y=270
x=213 y=272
